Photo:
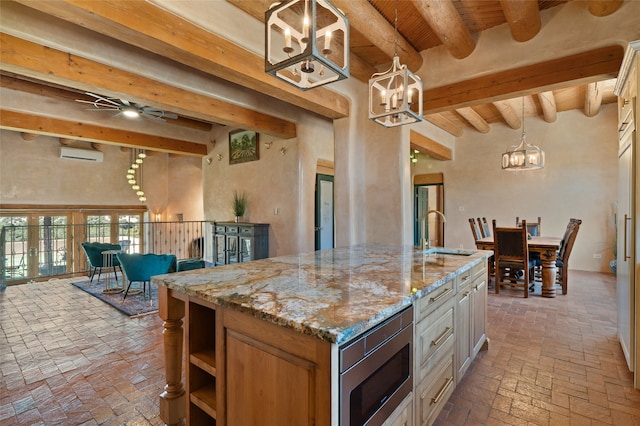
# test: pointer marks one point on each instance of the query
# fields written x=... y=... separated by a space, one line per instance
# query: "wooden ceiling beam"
x=22 y=122
x=549 y=108
x=428 y=146
x=474 y=119
x=592 y=99
x=444 y=123
x=604 y=7
x=28 y=136
x=508 y=114
x=443 y=17
x=594 y=65
x=357 y=67
x=69 y=95
x=366 y=19
x=523 y=18
x=149 y=27
x=35 y=61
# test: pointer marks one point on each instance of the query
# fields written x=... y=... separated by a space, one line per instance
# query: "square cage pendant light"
x=395 y=96
x=307 y=43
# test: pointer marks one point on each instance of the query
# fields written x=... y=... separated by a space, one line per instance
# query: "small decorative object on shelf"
x=239 y=205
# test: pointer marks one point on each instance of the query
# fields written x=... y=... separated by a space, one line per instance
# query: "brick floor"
x=66 y=358
x=550 y=362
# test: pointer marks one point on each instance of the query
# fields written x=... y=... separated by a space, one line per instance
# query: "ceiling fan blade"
x=158 y=113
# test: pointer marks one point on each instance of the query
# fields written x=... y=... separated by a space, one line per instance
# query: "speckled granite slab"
x=331 y=294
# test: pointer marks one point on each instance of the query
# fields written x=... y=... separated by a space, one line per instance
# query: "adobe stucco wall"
x=32 y=172
x=579 y=181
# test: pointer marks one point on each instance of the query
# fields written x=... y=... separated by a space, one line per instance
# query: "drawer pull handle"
x=465 y=278
x=441 y=295
x=442 y=390
x=440 y=338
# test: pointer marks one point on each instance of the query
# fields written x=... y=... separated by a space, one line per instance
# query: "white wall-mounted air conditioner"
x=80 y=154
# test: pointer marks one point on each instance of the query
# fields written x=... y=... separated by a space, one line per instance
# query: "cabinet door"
x=463 y=332
x=219 y=249
x=232 y=248
x=479 y=301
x=246 y=249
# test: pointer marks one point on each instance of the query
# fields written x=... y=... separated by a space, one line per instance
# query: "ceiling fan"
x=126 y=108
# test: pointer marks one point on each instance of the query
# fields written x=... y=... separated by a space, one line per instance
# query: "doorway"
x=429 y=195
x=324 y=223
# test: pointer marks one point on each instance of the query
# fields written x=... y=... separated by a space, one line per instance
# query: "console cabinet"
x=239 y=242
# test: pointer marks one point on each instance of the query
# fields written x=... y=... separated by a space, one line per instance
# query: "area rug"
x=135 y=305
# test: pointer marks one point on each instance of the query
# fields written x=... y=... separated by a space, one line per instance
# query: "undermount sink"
x=448 y=251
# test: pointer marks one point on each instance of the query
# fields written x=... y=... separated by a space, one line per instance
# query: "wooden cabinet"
x=276 y=376
x=239 y=242
x=434 y=341
x=470 y=315
x=628 y=207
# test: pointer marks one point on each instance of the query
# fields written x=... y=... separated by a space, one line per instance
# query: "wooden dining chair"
x=475 y=230
x=512 y=264
x=484 y=227
x=562 y=258
x=533 y=228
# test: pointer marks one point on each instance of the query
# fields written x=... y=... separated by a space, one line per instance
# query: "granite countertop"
x=332 y=294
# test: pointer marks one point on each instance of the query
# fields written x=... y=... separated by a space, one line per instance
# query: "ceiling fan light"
x=130 y=112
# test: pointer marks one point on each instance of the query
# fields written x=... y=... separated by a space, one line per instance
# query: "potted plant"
x=239 y=204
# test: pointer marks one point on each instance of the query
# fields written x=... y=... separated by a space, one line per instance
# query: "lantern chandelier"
x=137 y=158
x=395 y=96
x=523 y=156
x=306 y=43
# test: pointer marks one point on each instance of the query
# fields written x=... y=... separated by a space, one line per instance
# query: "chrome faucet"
x=424 y=232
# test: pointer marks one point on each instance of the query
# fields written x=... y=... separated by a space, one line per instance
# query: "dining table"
x=547 y=247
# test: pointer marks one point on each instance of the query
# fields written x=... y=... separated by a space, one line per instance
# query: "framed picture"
x=243 y=146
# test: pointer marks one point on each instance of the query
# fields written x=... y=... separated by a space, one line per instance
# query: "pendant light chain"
x=395 y=30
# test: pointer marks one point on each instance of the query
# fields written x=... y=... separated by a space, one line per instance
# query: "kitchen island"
x=262 y=337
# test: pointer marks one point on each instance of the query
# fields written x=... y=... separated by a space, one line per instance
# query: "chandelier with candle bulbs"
x=395 y=96
x=306 y=43
x=523 y=156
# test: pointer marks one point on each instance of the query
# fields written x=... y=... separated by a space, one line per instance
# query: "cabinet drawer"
x=220 y=229
x=434 y=391
x=467 y=276
x=232 y=230
x=434 y=339
x=246 y=230
x=433 y=300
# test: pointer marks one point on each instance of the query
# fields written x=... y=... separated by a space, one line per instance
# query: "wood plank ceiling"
x=575 y=82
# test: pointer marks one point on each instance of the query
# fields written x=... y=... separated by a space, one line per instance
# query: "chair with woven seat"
x=141 y=267
x=512 y=264
x=97 y=260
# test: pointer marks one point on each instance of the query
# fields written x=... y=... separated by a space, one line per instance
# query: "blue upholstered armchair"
x=141 y=267
x=96 y=259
